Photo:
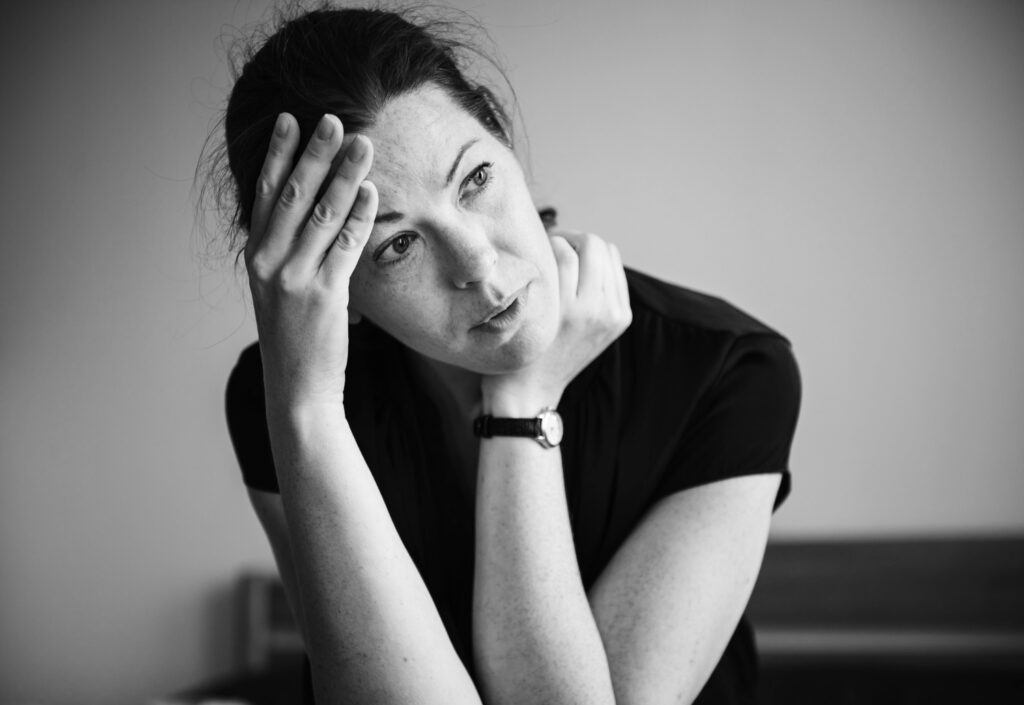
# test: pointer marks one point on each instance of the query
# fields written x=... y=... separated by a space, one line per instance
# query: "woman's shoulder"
x=247 y=420
x=659 y=303
x=680 y=348
x=695 y=361
x=249 y=362
x=690 y=347
x=681 y=338
x=245 y=381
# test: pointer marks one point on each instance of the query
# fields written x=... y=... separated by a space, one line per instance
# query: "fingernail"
x=325 y=129
x=281 y=126
x=357 y=150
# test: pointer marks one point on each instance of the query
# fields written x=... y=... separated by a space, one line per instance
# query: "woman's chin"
x=519 y=351
x=493 y=352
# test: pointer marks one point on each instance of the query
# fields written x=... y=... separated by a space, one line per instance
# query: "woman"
x=423 y=337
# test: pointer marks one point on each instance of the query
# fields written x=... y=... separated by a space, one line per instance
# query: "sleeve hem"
x=780 y=496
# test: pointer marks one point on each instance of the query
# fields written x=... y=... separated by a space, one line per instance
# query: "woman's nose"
x=474 y=257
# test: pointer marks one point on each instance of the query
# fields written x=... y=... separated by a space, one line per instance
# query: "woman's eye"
x=401 y=243
x=394 y=249
x=478 y=180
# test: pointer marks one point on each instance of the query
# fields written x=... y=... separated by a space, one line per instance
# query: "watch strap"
x=489 y=426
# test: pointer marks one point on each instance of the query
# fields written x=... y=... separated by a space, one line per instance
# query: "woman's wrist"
x=310 y=440
x=307 y=416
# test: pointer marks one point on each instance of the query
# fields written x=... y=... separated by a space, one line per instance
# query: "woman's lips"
x=503 y=318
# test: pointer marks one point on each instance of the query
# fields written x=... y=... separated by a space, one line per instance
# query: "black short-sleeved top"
x=693 y=392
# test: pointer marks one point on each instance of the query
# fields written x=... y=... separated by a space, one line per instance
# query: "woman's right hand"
x=300 y=255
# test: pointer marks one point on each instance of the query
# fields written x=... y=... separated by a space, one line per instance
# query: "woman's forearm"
x=374 y=634
x=535 y=639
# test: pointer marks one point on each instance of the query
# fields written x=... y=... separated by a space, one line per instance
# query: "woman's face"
x=458 y=266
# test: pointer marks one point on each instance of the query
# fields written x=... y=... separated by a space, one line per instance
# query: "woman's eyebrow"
x=389 y=217
x=458 y=158
x=394 y=216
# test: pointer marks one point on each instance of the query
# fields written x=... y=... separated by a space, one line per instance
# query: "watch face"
x=551 y=427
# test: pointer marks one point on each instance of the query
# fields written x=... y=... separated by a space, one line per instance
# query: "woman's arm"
x=535 y=637
x=672 y=595
x=661 y=614
x=372 y=631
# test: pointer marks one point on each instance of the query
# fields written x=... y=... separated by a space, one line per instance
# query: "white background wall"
x=852 y=173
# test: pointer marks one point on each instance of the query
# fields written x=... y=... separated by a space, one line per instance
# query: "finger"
x=332 y=210
x=283 y=142
x=568 y=269
x=572 y=236
x=594 y=269
x=299 y=192
x=343 y=256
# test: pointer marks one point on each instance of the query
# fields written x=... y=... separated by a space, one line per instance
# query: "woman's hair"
x=345 y=61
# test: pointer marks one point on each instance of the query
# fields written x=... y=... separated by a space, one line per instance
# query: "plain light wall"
x=851 y=173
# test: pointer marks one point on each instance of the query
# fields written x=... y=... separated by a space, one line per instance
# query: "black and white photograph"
x=512 y=352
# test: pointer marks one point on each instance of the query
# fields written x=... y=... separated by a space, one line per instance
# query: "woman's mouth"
x=504 y=318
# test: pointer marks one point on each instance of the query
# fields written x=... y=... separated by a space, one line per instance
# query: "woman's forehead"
x=416 y=139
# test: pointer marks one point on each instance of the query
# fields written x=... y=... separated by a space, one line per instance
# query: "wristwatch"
x=546 y=428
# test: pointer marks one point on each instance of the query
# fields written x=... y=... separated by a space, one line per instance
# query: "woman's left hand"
x=595 y=311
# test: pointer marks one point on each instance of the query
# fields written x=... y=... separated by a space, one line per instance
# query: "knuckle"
x=288 y=280
x=348 y=171
x=348 y=239
x=358 y=218
x=258 y=268
x=291 y=194
x=264 y=186
x=278 y=148
x=316 y=149
x=316 y=293
x=323 y=215
x=566 y=253
x=319 y=148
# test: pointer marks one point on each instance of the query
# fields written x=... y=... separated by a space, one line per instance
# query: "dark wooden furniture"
x=879 y=622
x=892 y=622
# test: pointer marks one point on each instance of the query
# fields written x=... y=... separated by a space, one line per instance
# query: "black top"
x=693 y=392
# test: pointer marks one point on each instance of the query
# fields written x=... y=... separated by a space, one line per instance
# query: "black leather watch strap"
x=489 y=426
x=545 y=428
